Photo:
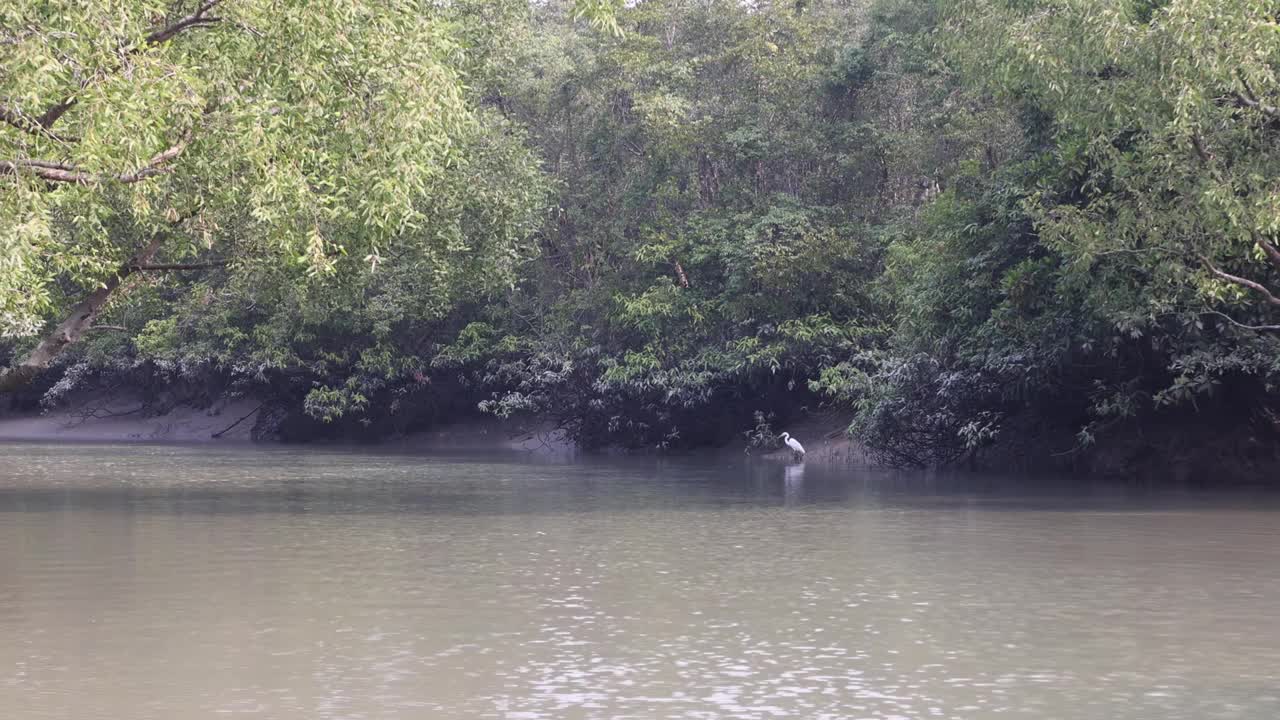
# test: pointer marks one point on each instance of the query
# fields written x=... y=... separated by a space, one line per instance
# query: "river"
x=157 y=583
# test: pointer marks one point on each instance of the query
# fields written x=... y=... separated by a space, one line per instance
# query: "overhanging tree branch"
x=81 y=318
x=77 y=322
x=55 y=112
x=1250 y=99
x=1267 y=110
x=199 y=18
x=1243 y=282
x=156 y=164
x=1272 y=253
x=228 y=428
x=13 y=118
x=1205 y=156
x=1228 y=318
x=65 y=173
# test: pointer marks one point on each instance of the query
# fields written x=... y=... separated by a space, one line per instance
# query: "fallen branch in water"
x=228 y=428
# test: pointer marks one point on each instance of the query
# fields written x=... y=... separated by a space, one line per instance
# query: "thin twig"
x=1228 y=318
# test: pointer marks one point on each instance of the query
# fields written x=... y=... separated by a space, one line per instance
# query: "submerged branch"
x=228 y=428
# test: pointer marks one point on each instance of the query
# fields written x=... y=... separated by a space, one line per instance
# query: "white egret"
x=796 y=448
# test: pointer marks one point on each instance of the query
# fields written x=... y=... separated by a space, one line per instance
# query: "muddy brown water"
x=157 y=583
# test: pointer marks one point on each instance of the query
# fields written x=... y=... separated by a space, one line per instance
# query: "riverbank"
x=1173 y=452
x=232 y=422
x=123 y=418
x=126 y=418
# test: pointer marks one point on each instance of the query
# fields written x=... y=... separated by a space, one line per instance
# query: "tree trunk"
x=80 y=320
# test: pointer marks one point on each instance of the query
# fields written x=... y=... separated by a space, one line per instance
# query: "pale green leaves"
x=602 y=14
x=25 y=232
x=305 y=131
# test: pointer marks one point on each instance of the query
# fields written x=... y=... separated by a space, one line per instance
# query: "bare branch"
x=226 y=429
x=196 y=18
x=1244 y=282
x=166 y=267
x=156 y=164
x=245 y=27
x=1250 y=98
x=53 y=172
x=17 y=37
x=50 y=116
x=97 y=412
x=119 y=328
x=1267 y=110
x=49 y=171
x=684 y=279
x=44 y=164
x=64 y=173
x=13 y=118
x=1273 y=254
x=1228 y=318
x=1204 y=155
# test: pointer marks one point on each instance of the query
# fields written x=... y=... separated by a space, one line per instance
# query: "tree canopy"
x=967 y=224
x=288 y=138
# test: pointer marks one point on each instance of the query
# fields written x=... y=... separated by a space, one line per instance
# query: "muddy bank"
x=824 y=441
x=129 y=417
x=1169 y=453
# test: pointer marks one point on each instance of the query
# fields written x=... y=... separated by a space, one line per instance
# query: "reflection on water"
x=159 y=583
x=792 y=482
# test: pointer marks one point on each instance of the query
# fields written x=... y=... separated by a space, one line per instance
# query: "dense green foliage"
x=316 y=132
x=1115 y=267
x=963 y=223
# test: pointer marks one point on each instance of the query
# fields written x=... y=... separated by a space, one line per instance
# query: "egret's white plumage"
x=793 y=443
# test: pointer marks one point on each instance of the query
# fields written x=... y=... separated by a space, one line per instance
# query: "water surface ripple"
x=152 y=583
